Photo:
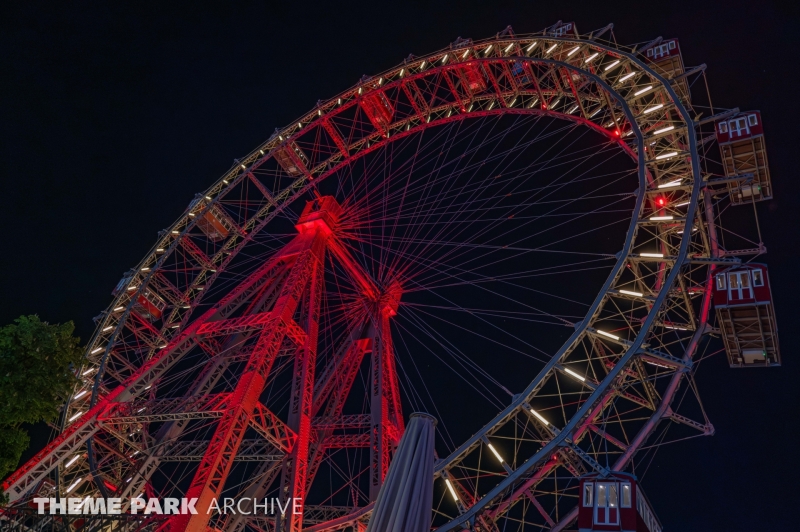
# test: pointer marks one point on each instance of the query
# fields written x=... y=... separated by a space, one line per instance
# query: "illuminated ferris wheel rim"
x=437 y=62
x=284 y=138
x=579 y=56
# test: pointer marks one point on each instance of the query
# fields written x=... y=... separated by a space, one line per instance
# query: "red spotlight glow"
x=660 y=201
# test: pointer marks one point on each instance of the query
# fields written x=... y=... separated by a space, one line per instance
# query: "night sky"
x=114 y=116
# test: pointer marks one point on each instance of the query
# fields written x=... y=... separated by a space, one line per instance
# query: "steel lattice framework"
x=213 y=344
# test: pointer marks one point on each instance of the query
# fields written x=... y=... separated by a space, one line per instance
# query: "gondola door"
x=606 y=511
x=739 y=287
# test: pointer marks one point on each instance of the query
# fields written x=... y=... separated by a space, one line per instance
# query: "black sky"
x=114 y=115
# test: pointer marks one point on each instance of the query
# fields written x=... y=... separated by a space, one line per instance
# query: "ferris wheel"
x=519 y=235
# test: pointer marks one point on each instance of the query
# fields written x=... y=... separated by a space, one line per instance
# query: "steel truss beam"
x=618 y=113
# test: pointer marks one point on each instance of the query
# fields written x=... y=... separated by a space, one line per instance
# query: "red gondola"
x=292 y=159
x=741 y=142
x=746 y=316
x=614 y=502
x=564 y=29
x=378 y=109
x=472 y=77
x=149 y=305
x=667 y=61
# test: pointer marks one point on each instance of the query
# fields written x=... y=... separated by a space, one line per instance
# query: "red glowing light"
x=616 y=132
x=661 y=202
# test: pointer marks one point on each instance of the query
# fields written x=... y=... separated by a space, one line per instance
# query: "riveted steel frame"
x=128 y=355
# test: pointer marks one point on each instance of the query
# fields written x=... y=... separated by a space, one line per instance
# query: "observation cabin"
x=149 y=305
x=614 y=502
x=744 y=154
x=214 y=222
x=666 y=59
x=746 y=316
x=292 y=159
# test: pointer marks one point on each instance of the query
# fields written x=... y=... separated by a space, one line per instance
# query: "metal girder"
x=337 y=138
x=386 y=416
x=250 y=450
x=705 y=428
x=213 y=470
x=275 y=431
x=354 y=422
x=348 y=441
x=333 y=388
x=208 y=406
x=295 y=467
x=196 y=253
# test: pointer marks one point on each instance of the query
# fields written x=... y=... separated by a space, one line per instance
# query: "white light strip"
x=90 y=370
x=682 y=204
x=491 y=448
x=465 y=55
x=627 y=76
x=117 y=309
x=489 y=49
x=509 y=47
x=97 y=350
x=76 y=416
x=631 y=293
x=653 y=255
x=447 y=480
x=74 y=485
x=675 y=183
x=551 y=48
x=540 y=417
x=590 y=58
x=72 y=461
x=444 y=59
x=609 y=335
x=653 y=109
x=532 y=46
x=667 y=155
x=661 y=218
x=676 y=328
x=663 y=130
x=596 y=111
x=80 y=394
x=582 y=379
x=642 y=91
x=573 y=51
x=612 y=65
x=572 y=110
